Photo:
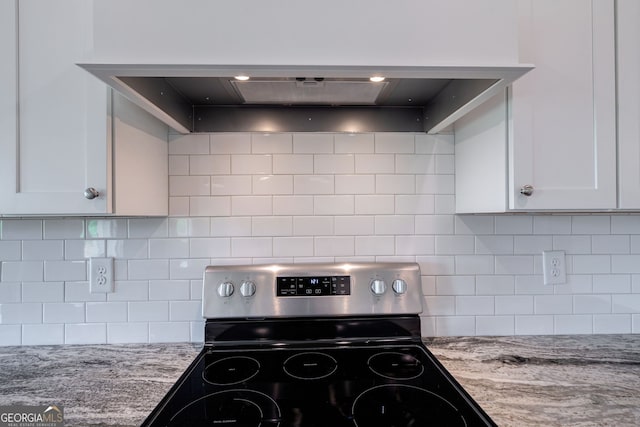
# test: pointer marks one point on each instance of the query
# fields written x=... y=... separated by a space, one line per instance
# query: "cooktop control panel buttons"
x=225 y=289
x=399 y=286
x=378 y=287
x=248 y=288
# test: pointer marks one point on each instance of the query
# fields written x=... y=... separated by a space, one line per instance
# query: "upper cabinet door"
x=628 y=35
x=54 y=115
x=563 y=127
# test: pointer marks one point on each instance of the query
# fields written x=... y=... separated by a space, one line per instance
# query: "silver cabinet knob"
x=399 y=286
x=526 y=190
x=91 y=193
x=225 y=289
x=248 y=288
x=378 y=287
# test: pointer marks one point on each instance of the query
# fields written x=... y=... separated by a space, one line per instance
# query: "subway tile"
x=262 y=143
x=355 y=184
x=181 y=311
x=189 y=186
x=532 y=244
x=129 y=290
x=65 y=312
x=85 y=334
x=230 y=143
x=572 y=245
x=148 y=311
x=414 y=245
x=334 y=246
x=169 y=290
x=81 y=249
x=374 y=245
x=444 y=204
x=22 y=271
x=374 y=204
x=474 y=264
x=251 y=205
x=576 y=284
x=21 y=229
x=80 y=292
x=456 y=326
x=251 y=247
x=231 y=185
x=623 y=263
x=395 y=184
x=250 y=164
x=495 y=325
x=428 y=285
x=64 y=229
x=494 y=245
x=271 y=226
x=43 y=292
x=607 y=244
x=590 y=304
x=125 y=333
x=409 y=204
x=59 y=271
x=612 y=324
x=120 y=269
x=10 y=292
x=532 y=285
x=312 y=143
x=210 y=206
x=169 y=332
x=439 y=305
x=455 y=285
x=187 y=268
x=434 y=144
x=394 y=224
x=45 y=334
x=553 y=304
x=552 y=224
x=474 y=224
x=107 y=229
x=495 y=285
x=333 y=163
x=293 y=164
x=128 y=249
x=197 y=332
x=42 y=249
x=595 y=264
x=310 y=226
x=435 y=184
x=293 y=246
x=148 y=269
x=573 y=324
x=534 y=325
x=354 y=143
x=516 y=264
x=20 y=313
x=189 y=227
x=434 y=224
x=272 y=184
x=313 y=184
x=436 y=265
x=230 y=226
x=590 y=224
x=454 y=245
x=394 y=142
x=611 y=283
x=333 y=205
x=169 y=248
x=215 y=164
x=195 y=143
x=10 y=335
x=356 y=225
x=374 y=163
x=178 y=206
x=474 y=305
x=635 y=319
x=415 y=164
x=514 y=224
x=196 y=289
x=178 y=165
x=629 y=303
x=513 y=304
x=625 y=224
x=209 y=247
x=10 y=250
x=292 y=205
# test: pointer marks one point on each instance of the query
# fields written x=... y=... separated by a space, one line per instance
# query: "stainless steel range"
x=315 y=345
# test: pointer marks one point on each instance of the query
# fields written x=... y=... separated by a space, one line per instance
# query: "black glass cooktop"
x=396 y=385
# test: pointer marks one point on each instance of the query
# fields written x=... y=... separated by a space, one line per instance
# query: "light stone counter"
x=519 y=381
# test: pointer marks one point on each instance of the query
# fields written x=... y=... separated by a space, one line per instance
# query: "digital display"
x=310 y=286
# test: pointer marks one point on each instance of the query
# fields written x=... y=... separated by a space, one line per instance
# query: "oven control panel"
x=323 y=289
x=310 y=286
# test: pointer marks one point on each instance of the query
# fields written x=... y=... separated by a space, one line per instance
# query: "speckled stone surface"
x=519 y=381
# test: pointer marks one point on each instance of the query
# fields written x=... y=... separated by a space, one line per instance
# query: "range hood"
x=209 y=98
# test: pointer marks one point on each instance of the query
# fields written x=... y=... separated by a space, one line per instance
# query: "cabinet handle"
x=91 y=193
x=526 y=190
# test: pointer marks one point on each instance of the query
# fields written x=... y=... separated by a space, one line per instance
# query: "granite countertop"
x=519 y=381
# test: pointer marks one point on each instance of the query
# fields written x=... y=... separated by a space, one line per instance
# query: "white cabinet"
x=60 y=131
x=556 y=129
x=628 y=73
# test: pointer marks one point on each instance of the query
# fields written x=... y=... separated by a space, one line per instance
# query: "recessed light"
x=376 y=79
x=241 y=77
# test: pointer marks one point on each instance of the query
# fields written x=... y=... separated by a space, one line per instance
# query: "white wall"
x=254 y=198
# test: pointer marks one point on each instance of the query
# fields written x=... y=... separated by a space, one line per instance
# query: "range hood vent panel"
x=309 y=92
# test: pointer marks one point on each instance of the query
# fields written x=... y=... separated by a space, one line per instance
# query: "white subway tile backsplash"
x=64 y=229
x=532 y=244
x=439 y=305
x=189 y=144
x=474 y=305
x=553 y=304
x=10 y=250
x=231 y=143
x=445 y=164
x=394 y=224
x=178 y=206
x=412 y=245
x=292 y=246
x=572 y=245
x=474 y=264
x=435 y=184
x=534 y=325
x=568 y=324
x=456 y=325
x=148 y=269
x=209 y=247
x=355 y=184
x=104 y=312
x=293 y=164
x=272 y=184
x=591 y=304
x=444 y=204
x=293 y=205
x=182 y=311
x=168 y=248
x=310 y=226
x=128 y=249
x=552 y=224
x=395 y=184
x=66 y=312
x=611 y=283
x=169 y=332
x=333 y=246
x=251 y=205
x=625 y=303
x=593 y=264
x=43 y=292
x=130 y=290
x=495 y=325
x=10 y=335
x=271 y=226
x=436 y=265
x=45 y=334
x=20 y=313
x=173 y=290
x=22 y=271
x=231 y=185
x=416 y=164
x=333 y=163
x=374 y=204
x=252 y=247
x=21 y=229
x=357 y=225
x=148 y=311
x=42 y=249
x=178 y=165
x=495 y=285
x=129 y=332
x=454 y=245
x=72 y=271
x=334 y=205
x=312 y=143
x=189 y=227
x=313 y=184
x=514 y=225
x=434 y=224
x=612 y=324
x=80 y=292
x=354 y=143
x=408 y=204
x=187 y=268
x=85 y=333
x=247 y=164
x=374 y=245
x=210 y=206
x=590 y=224
x=455 y=285
x=516 y=264
x=189 y=185
x=494 y=245
x=374 y=163
x=513 y=304
x=434 y=144
x=607 y=244
x=474 y=224
x=10 y=292
x=625 y=224
x=392 y=142
x=81 y=249
x=207 y=165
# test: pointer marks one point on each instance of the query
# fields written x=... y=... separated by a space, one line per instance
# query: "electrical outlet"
x=101 y=275
x=554 y=267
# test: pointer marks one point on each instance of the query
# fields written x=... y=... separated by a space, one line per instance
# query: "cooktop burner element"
x=315 y=345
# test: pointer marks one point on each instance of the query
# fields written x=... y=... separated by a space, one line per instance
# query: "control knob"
x=225 y=289
x=399 y=286
x=248 y=288
x=378 y=287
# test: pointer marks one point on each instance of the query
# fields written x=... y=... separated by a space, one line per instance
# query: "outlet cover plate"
x=101 y=275
x=554 y=267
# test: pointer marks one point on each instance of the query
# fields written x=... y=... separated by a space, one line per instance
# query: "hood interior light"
x=376 y=79
x=242 y=77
